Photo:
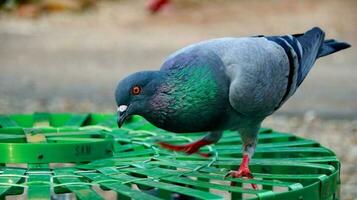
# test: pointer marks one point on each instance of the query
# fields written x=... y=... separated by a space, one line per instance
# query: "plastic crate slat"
x=39 y=186
x=293 y=149
x=165 y=186
x=273 y=136
x=11 y=137
x=182 y=178
x=135 y=153
x=67 y=178
x=77 y=120
x=270 y=145
x=41 y=119
x=9 y=177
x=173 y=175
x=6 y=121
x=118 y=187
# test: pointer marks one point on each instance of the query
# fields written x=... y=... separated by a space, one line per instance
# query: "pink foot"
x=188 y=148
x=243 y=171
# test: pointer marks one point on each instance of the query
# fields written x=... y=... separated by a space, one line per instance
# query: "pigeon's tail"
x=305 y=48
x=331 y=46
x=310 y=41
x=314 y=46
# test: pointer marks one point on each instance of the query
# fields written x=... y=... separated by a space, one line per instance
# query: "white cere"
x=122 y=108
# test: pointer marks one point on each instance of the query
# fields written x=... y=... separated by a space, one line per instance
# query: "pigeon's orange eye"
x=136 y=90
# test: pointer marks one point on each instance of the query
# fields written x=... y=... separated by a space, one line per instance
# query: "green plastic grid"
x=134 y=167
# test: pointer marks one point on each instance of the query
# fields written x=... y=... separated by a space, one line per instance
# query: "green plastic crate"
x=46 y=155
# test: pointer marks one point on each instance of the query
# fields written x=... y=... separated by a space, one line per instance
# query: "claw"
x=243 y=171
x=241 y=174
x=188 y=148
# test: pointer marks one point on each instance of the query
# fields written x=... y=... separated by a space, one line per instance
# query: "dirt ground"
x=71 y=61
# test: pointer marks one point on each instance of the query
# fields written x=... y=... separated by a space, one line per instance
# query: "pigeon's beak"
x=122 y=114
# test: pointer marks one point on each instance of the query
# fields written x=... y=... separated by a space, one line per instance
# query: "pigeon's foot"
x=187 y=148
x=243 y=171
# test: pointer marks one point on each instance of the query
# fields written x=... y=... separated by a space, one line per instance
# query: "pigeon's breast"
x=192 y=99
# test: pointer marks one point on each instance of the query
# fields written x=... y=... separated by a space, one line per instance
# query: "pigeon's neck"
x=188 y=99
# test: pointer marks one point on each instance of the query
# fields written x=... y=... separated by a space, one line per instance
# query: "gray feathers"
x=257 y=69
x=265 y=71
x=257 y=76
x=311 y=42
x=331 y=46
x=226 y=83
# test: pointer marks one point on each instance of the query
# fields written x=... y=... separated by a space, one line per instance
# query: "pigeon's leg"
x=210 y=138
x=249 y=138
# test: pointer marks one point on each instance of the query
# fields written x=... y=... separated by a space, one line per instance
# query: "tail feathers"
x=315 y=46
x=310 y=41
x=331 y=46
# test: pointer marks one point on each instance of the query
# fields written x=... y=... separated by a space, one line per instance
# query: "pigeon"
x=223 y=84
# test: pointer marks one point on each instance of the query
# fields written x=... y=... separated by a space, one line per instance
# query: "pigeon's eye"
x=136 y=90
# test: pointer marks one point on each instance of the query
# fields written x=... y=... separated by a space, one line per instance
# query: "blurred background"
x=68 y=55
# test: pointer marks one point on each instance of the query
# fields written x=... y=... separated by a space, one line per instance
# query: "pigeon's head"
x=133 y=93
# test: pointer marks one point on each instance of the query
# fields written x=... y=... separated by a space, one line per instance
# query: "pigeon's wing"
x=259 y=74
x=272 y=70
x=301 y=48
